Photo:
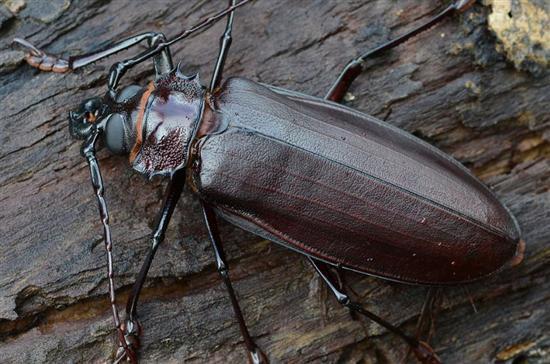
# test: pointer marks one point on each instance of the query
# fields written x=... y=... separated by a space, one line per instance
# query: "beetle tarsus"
x=41 y=60
x=257 y=356
x=132 y=331
x=125 y=353
x=425 y=354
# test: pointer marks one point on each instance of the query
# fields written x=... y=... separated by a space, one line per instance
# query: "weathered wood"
x=449 y=86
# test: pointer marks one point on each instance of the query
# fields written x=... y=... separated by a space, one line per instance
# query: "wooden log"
x=450 y=86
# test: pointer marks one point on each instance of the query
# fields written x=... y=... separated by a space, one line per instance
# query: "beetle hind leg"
x=422 y=350
x=430 y=308
x=426 y=319
x=255 y=355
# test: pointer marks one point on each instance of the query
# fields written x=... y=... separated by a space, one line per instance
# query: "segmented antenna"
x=119 y=69
x=88 y=151
x=47 y=62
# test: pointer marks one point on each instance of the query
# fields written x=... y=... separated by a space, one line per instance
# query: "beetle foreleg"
x=163 y=60
x=120 y=68
x=46 y=62
x=356 y=65
x=225 y=43
x=422 y=350
x=89 y=152
x=256 y=356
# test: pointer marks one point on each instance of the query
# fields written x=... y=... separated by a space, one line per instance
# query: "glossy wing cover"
x=341 y=186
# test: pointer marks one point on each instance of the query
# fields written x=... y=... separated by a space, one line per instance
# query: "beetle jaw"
x=86 y=118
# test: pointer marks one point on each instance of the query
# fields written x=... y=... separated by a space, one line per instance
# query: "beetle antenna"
x=89 y=152
x=120 y=68
x=37 y=58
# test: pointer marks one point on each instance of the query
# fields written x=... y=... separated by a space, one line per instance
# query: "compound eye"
x=128 y=92
x=116 y=134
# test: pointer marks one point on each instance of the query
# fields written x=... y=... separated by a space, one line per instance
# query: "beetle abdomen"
x=341 y=186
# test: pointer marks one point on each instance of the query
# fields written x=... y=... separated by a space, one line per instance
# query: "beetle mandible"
x=338 y=186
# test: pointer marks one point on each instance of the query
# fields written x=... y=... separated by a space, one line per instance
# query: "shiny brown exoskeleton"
x=348 y=189
x=339 y=186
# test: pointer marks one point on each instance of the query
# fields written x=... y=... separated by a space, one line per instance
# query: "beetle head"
x=154 y=125
x=115 y=117
x=82 y=120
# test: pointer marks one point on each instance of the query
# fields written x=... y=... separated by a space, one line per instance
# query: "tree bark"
x=450 y=86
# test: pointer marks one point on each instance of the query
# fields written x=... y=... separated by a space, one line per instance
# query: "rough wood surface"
x=449 y=86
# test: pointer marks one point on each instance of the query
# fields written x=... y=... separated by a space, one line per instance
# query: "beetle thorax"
x=166 y=123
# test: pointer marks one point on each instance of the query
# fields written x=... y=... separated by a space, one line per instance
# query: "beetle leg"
x=172 y=195
x=39 y=59
x=422 y=350
x=120 y=68
x=356 y=66
x=256 y=356
x=163 y=60
x=342 y=284
x=46 y=62
x=225 y=43
x=89 y=152
x=426 y=319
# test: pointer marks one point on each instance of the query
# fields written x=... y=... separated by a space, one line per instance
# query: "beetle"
x=342 y=188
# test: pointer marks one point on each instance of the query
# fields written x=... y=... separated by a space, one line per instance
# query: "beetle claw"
x=425 y=354
x=132 y=331
x=39 y=59
x=257 y=356
x=129 y=354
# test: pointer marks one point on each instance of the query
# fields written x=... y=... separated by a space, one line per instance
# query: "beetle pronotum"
x=342 y=188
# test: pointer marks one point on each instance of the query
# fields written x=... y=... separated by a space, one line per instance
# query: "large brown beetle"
x=341 y=187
